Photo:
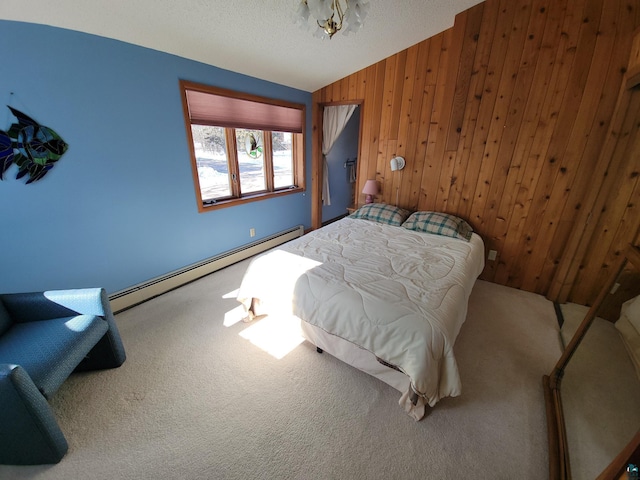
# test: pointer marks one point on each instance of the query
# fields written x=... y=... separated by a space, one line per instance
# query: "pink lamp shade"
x=370 y=190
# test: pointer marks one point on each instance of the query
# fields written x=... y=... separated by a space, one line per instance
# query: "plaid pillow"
x=440 y=224
x=381 y=213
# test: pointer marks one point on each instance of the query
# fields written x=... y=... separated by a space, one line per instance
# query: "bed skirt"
x=366 y=362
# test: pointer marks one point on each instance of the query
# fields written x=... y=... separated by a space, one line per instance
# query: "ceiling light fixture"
x=331 y=16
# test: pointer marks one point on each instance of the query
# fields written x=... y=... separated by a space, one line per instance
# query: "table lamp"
x=370 y=190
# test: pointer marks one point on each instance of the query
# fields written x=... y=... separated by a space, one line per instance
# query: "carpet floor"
x=203 y=396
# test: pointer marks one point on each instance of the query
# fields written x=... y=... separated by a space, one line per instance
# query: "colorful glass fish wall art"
x=34 y=148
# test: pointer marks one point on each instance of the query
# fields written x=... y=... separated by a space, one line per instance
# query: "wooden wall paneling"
x=553 y=24
x=501 y=120
x=483 y=149
x=378 y=168
x=328 y=95
x=626 y=204
x=370 y=164
x=512 y=208
x=336 y=92
x=388 y=191
x=445 y=186
x=544 y=224
x=398 y=88
x=517 y=77
x=521 y=236
x=463 y=106
x=479 y=175
x=466 y=183
x=360 y=94
x=605 y=213
x=463 y=79
x=466 y=34
x=336 y=96
x=333 y=94
x=409 y=78
x=371 y=110
x=517 y=244
x=383 y=180
x=352 y=89
x=619 y=221
x=432 y=162
x=454 y=68
x=579 y=244
x=613 y=200
x=387 y=100
x=345 y=88
x=413 y=124
x=586 y=169
x=433 y=49
x=386 y=121
x=573 y=157
x=325 y=95
x=397 y=104
x=365 y=134
x=581 y=159
x=361 y=87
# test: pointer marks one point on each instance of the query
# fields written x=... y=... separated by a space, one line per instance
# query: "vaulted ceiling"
x=253 y=37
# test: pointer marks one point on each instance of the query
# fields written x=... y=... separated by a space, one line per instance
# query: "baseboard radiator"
x=152 y=288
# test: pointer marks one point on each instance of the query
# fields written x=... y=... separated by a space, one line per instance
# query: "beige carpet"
x=197 y=400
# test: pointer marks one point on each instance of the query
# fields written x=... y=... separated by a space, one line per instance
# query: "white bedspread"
x=399 y=294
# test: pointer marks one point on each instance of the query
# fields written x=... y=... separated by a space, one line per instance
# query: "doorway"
x=342 y=165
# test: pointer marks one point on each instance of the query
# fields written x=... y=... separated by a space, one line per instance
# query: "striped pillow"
x=439 y=224
x=381 y=213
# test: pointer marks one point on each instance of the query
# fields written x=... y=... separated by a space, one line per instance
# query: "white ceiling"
x=254 y=37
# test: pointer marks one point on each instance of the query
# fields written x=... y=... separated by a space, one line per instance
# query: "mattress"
x=398 y=294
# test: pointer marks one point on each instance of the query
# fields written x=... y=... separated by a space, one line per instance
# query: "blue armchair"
x=44 y=337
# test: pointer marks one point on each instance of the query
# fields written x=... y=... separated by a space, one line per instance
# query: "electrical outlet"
x=252 y=232
x=492 y=255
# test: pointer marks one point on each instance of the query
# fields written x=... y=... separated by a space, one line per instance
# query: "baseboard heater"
x=152 y=288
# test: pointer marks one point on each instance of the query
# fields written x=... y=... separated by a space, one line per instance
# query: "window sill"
x=247 y=199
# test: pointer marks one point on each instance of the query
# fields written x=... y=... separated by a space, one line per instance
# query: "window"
x=243 y=147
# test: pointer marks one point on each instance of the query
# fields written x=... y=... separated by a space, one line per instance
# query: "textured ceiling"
x=254 y=37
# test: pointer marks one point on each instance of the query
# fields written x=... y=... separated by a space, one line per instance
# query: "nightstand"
x=352 y=208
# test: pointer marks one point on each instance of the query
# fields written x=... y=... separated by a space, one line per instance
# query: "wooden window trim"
x=298 y=152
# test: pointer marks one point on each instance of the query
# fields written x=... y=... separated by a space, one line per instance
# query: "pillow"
x=629 y=327
x=381 y=213
x=440 y=224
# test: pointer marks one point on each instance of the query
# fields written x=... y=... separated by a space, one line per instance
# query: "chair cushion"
x=5 y=320
x=49 y=350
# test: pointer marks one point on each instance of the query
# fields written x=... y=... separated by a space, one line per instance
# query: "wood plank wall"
x=502 y=120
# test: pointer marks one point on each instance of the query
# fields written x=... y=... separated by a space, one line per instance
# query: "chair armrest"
x=30 y=433
x=35 y=306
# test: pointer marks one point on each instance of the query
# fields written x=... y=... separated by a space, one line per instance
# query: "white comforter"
x=399 y=294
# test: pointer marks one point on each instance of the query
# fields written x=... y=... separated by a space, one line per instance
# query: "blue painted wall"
x=119 y=208
x=345 y=147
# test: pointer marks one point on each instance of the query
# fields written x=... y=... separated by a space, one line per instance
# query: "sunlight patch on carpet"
x=234 y=316
x=232 y=294
x=277 y=335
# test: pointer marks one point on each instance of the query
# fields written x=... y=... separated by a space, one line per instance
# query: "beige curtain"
x=335 y=118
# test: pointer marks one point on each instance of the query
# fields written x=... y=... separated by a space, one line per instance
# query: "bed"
x=383 y=290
